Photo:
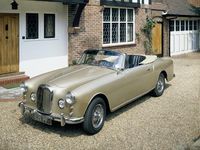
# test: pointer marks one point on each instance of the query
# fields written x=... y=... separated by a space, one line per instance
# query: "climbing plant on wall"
x=147 y=30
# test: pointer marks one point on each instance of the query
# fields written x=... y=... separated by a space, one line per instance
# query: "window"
x=118 y=26
x=186 y=25
x=171 y=25
x=190 y=25
x=195 y=24
x=49 y=25
x=198 y=24
x=144 y=1
x=177 y=25
x=31 y=26
x=182 y=25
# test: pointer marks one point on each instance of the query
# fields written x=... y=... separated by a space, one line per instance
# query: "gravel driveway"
x=171 y=121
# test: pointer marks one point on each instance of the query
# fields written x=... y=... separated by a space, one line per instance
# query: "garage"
x=184 y=35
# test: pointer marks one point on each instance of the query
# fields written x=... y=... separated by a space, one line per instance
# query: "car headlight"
x=23 y=88
x=61 y=103
x=70 y=99
x=33 y=96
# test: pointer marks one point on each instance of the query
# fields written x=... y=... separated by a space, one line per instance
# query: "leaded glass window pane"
x=130 y=32
x=122 y=14
x=115 y=33
x=130 y=14
x=31 y=26
x=49 y=25
x=106 y=14
x=123 y=32
x=106 y=33
x=114 y=14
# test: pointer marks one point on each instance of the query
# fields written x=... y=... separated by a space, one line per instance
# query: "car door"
x=132 y=83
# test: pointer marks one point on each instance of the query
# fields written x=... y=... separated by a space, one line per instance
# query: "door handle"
x=149 y=69
x=6 y=37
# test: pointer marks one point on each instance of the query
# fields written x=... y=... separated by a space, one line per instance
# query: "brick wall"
x=89 y=35
x=166 y=41
x=194 y=2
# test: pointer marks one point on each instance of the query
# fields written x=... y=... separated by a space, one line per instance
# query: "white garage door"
x=184 y=36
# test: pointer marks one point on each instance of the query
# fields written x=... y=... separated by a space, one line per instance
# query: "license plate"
x=41 y=118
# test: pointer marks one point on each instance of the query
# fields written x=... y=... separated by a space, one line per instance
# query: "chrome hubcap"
x=98 y=116
x=160 y=85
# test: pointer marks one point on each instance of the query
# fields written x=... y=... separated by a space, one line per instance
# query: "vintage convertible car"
x=102 y=82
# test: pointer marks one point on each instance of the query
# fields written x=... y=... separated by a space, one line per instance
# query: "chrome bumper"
x=53 y=117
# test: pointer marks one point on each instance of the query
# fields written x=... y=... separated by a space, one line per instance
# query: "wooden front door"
x=157 y=39
x=9 y=43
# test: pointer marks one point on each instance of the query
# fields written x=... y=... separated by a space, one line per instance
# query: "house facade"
x=110 y=24
x=180 y=25
x=33 y=36
x=40 y=36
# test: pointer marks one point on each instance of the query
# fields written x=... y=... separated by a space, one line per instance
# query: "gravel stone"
x=171 y=121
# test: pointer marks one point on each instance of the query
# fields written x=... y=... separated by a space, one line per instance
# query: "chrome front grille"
x=44 y=99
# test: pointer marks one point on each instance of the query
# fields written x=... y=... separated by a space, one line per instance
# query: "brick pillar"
x=89 y=35
x=166 y=37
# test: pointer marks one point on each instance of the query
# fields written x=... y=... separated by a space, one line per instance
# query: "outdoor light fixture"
x=14 y=5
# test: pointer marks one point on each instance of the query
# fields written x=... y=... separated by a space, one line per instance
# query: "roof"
x=179 y=7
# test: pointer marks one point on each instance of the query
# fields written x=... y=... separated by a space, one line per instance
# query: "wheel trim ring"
x=160 y=85
x=97 y=116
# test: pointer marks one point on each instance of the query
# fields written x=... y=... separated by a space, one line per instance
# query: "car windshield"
x=102 y=58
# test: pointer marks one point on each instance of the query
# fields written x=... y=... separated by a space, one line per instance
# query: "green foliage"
x=138 y=37
x=147 y=30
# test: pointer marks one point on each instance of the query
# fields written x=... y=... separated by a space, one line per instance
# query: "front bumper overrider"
x=49 y=117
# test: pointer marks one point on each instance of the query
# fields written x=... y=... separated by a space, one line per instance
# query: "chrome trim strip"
x=59 y=118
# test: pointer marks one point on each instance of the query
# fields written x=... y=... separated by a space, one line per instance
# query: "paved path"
x=169 y=122
x=9 y=94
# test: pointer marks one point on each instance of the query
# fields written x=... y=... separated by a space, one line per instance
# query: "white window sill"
x=118 y=44
x=43 y=39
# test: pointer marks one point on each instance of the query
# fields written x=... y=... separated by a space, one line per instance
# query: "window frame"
x=118 y=22
x=54 y=25
x=37 y=34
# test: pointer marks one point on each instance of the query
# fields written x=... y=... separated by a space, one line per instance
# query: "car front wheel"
x=95 y=116
x=160 y=86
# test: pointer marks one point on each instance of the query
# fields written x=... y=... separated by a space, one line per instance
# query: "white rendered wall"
x=41 y=55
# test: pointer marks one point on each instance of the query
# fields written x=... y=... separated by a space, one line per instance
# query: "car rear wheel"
x=160 y=86
x=95 y=116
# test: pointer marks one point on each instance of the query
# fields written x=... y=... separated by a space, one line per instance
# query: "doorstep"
x=9 y=95
x=13 y=78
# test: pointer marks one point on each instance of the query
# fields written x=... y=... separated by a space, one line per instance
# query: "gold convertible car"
x=101 y=82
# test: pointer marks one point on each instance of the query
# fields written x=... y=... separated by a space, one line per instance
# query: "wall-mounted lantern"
x=14 y=5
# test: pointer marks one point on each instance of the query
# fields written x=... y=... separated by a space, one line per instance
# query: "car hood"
x=72 y=77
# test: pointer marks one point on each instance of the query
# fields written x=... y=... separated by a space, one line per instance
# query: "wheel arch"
x=164 y=73
x=103 y=96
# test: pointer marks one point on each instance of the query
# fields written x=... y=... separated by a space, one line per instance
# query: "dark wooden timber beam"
x=79 y=11
x=80 y=7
